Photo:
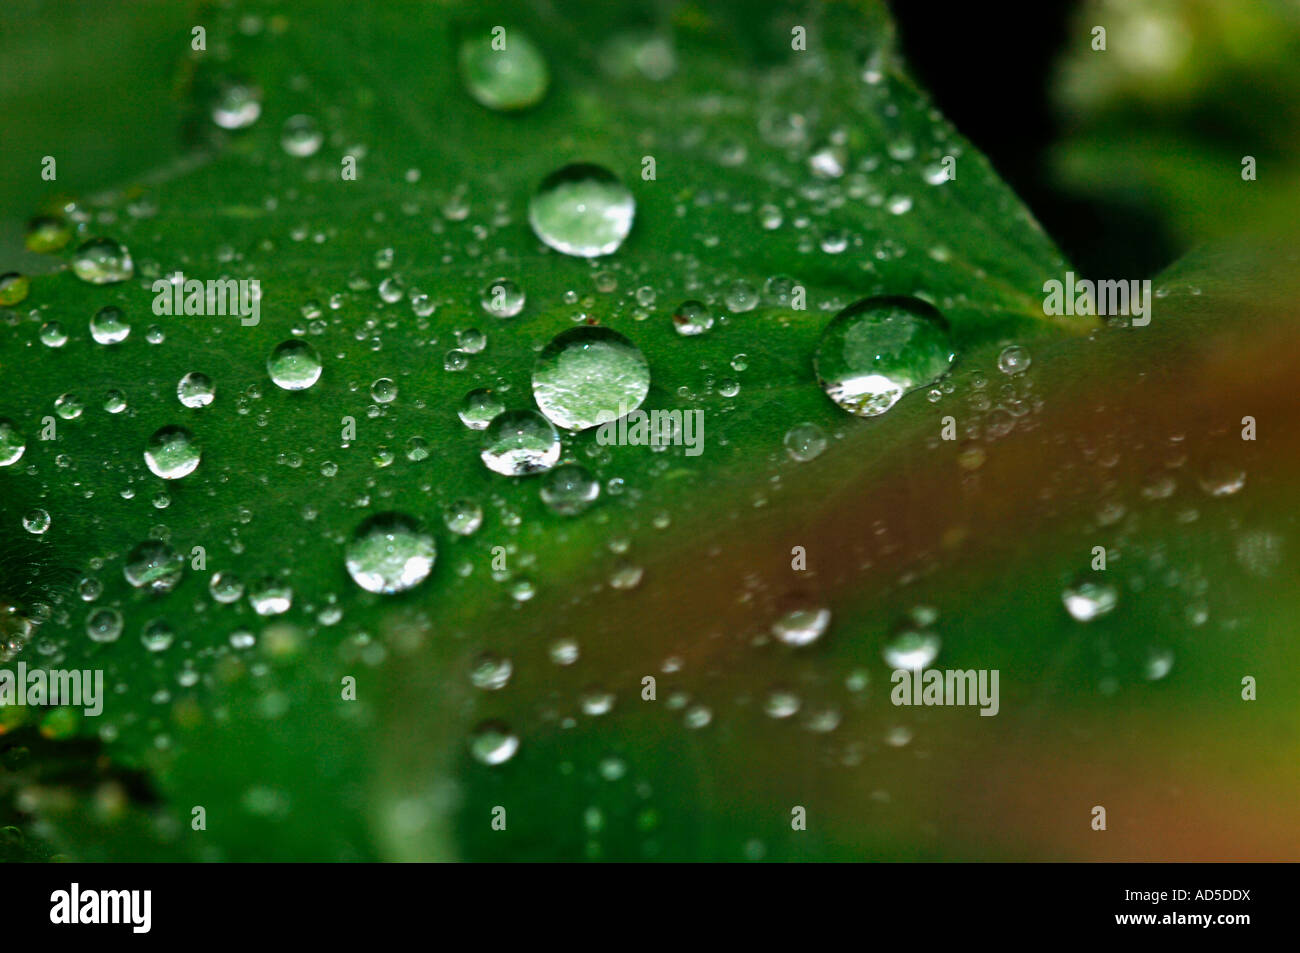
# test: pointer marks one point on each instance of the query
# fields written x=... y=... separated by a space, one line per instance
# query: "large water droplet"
x=102 y=261
x=511 y=76
x=520 y=442
x=294 y=365
x=172 y=453
x=875 y=351
x=390 y=552
x=588 y=376
x=13 y=288
x=582 y=210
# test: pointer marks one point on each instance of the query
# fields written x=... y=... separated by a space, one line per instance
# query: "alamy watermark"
x=933 y=686
x=73 y=688
x=175 y=295
x=654 y=428
x=1083 y=296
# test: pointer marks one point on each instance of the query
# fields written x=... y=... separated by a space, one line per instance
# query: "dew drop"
x=503 y=298
x=463 y=517
x=153 y=565
x=802 y=626
x=12 y=443
x=520 y=442
x=301 y=136
x=1089 y=599
x=36 y=522
x=102 y=261
x=569 y=489
x=514 y=77
x=479 y=408
x=588 y=376
x=875 y=351
x=805 y=442
x=195 y=390
x=13 y=288
x=582 y=210
x=390 y=552
x=911 y=649
x=172 y=453
x=294 y=365
x=104 y=625
x=492 y=743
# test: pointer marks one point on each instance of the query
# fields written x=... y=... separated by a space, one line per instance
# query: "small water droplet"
x=802 y=626
x=1089 y=599
x=294 y=365
x=492 y=742
x=569 y=489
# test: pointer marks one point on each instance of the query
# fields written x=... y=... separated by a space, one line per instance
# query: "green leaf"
x=776 y=169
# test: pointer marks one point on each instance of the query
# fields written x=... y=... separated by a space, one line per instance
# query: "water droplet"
x=36 y=522
x=491 y=672
x=514 y=77
x=68 y=406
x=237 y=107
x=582 y=210
x=805 y=442
x=875 y=351
x=157 y=636
x=479 y=408
x=53 y=335
x=47 y=234
x=781 y=703
x=172 y=453
x=301 y=136
x=802 y=626
x=911 y=649
x=383 y=391
x=1159 y=662
x=13 y=288
x=226 y=587
x=269 y=596
x=1014 y=359
x=588 y=376
x=463 y=517
x=390 y=552
x=294 y=365
x=153 y=565
x=12 y=443
x=692 y=318
x=741 y=297
x=104 y=625
x=1220 y=477
x=503 y=298
x=493 y=743
x=102 y=261
x=1088 y=599
x=569 y=489
x=195 y=390
x=520 y=442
